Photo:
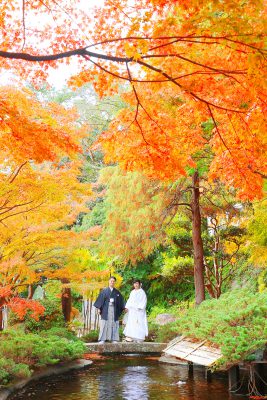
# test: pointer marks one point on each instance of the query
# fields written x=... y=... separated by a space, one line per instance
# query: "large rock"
x=163 y=319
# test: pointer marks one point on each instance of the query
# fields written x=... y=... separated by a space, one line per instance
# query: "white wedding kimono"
x=136 y=326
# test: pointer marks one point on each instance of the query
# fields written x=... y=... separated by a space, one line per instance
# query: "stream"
x=129 y=378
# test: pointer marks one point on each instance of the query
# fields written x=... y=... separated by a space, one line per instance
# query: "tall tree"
x=220 y=59
x=40 y=191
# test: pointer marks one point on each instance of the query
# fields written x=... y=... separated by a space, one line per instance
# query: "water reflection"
x=135 y=382
x=108 y=385
x=129 y=378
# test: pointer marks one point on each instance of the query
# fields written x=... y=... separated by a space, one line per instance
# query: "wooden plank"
x=198 y=345
x=176 y=353
x=200 y=360
x=185 y=347
x=214 y=350
x=197 y=352
x=173 y=342
x=188 y=343
x=206 y=354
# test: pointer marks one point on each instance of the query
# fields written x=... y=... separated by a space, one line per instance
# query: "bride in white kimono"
x=136 y=328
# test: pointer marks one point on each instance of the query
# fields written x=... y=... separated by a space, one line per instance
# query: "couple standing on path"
x=110 y=305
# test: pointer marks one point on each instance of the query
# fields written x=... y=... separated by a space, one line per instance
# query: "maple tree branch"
x=182 y=204
x=137 y=108
x=106 y=70
x=17 y=172
x=22 y=212
x=139 y=104
x=152 y=80
x=211 y=202
x=48 y=8
x=84 y=51
x=4 y=204
x=208 y=103
x=28 y=258
x=224 y=143
x=221 y=71
x=89 y=54
x=217 y=130
x=65 y=54
x=182 y=39
x=121 y=10
x=7 y=209
x=258 y=172
x=23 y=23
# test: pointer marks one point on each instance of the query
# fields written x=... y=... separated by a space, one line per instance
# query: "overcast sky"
x=57 y=78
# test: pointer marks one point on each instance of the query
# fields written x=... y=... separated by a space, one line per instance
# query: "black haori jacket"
x=102 y=302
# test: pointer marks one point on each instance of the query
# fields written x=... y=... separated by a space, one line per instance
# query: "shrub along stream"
x=21 y=353
x=236 y=323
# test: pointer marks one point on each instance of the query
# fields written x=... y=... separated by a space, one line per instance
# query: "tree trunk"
x=1 y=318
x=30 y=292
x=66 y=301
x=197 y=242
x=2 y=303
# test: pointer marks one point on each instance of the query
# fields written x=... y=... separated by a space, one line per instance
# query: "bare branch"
x=22 y=212
x=23 y=23
x=17 y=172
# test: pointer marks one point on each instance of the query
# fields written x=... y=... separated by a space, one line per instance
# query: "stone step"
x=126 y=347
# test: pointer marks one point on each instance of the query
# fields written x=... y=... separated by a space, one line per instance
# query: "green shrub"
x=5 y=366
x=60 y=332
x=162 y=333
x=21 y=371
x=236 y=323
x=52 y=317
x=90 y=337
x=9 y=369
x=20 y=351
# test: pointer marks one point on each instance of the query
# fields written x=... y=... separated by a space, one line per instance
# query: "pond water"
x=129 y=378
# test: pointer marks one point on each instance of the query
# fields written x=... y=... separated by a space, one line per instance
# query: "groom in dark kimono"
x=110 y=305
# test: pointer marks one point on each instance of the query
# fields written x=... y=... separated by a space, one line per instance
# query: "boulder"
x=163 y=319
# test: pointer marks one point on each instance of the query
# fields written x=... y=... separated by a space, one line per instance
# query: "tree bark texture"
x=66 y=301
x=1 y=318
x=197 y=242
x=30 y=292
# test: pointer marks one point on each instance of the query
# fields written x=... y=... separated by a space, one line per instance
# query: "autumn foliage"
x=21 y=307
x=40 y=193
x=177 y=65
x=183 y=62
x=31 y=130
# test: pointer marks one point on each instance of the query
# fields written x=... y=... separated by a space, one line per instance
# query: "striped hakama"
x=109 y=330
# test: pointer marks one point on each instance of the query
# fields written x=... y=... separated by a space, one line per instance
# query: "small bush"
x=9 y=369
x=162 y=333
x=236 y=323
x=20 y=351
x=52 y=317
x=60 y=332
x=90 y=337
